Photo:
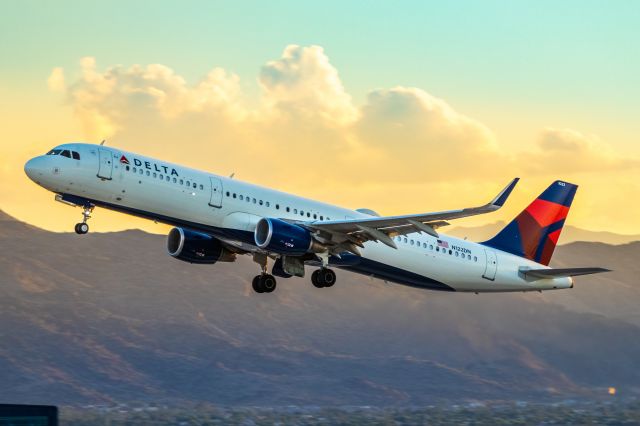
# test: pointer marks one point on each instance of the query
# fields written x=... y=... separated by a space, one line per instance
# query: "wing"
x=540 y=274
x=349 y=233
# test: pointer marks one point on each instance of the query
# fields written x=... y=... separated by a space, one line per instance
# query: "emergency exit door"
x=491 y=266
x=216 y=192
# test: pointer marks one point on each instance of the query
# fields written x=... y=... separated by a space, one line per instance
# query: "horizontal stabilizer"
x=560 y=272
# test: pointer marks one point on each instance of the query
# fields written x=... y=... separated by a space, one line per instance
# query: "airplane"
x=217 y=218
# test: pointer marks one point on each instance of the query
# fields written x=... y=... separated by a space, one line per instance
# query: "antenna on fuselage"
x=103 y=141
x=232 y=175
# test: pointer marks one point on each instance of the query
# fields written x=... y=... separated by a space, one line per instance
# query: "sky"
x=401 y=107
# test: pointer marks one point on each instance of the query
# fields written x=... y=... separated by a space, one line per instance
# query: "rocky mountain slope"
x=111 y=317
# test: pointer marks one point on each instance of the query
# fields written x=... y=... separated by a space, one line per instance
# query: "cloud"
x=410 y=127
x=107 y=102
x=570 y=150
x=306 y=131
x=303 y=83
x=56 y=81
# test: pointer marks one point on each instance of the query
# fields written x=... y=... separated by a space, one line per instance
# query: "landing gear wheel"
x=324 y=277
x=268 y=283
x=256 y=284
x=264 y=283
x=328 y=277
x=81 y=228
x=315 y=279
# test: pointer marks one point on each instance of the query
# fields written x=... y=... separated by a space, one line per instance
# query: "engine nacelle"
x=283 y=237
x=196 y=247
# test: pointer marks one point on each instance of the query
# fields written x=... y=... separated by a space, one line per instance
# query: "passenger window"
x=189 y=184
x=234 y=195
x=181 y=182
x=176 y=180
x=450 y=252
x=254 y=201
x=76 y=156
x=168 y=179
x=315 y=216
x=201 y=187
x=66 y=153
x=430 y=246
x=405 y=240
x=295 y=211
x=248 y=199
x=154 y=174
x=457 y=254
x=301 y=213
x=437 y=248
x=195 y=185
x=411 y=242
x=260 y=202
x=308 y=214
x=135 y=170
x=321 y=218
x=241 y=197
x=469 y=256
x=127 y=168
x=148 y=173
x=288 y=209
x=161 y=177
x=277 y=206
x=228 y=193
x=424 y=245
x=267 y=204
x=475 y=258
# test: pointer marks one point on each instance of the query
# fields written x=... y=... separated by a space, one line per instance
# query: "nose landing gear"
x=83 y=227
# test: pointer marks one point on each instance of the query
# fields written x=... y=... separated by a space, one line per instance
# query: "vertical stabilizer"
x=534 y=233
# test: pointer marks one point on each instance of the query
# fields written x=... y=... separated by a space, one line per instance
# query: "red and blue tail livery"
x=534 y=233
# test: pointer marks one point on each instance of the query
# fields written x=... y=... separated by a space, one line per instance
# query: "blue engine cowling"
x=196 y=247
x=282 y=237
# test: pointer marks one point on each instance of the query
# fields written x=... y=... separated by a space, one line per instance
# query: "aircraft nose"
x=35 y=168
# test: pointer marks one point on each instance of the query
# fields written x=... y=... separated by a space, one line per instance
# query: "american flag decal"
x=443 y=244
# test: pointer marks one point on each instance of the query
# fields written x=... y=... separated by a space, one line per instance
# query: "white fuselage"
x=230 y=209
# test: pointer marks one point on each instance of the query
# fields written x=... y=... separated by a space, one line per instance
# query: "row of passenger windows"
x=437 y=248
x=65 y=153
x=187 y=183
x=249 y=199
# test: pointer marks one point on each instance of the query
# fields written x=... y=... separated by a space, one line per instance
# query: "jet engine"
x=196 y=247
x=286 y=238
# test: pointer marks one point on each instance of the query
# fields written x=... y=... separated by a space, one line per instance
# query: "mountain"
x=570 y=234
x=112 y=318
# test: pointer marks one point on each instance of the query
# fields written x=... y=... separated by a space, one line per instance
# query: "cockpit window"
x=54 y=152
x=75 y=155
x=66 y=153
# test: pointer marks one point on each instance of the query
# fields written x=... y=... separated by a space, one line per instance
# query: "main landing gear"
x=323 y=277
x=83 y=227
x=264 y=283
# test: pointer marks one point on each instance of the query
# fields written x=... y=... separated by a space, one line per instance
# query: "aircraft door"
x=105 y=167
x=216 y=192
x=491 y=266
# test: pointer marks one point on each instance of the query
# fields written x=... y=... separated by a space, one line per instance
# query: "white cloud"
x=573 y=151
x=304 y=83
x=56 y=81
x=107 y=101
